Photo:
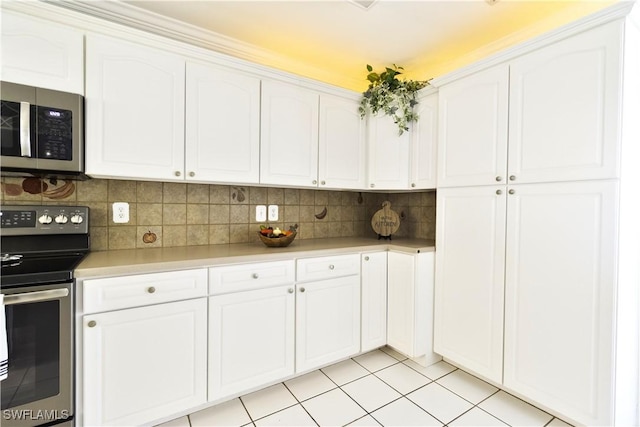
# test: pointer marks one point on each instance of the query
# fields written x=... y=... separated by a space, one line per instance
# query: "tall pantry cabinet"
x=537 y=236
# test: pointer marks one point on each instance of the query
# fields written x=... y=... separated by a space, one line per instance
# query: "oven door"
x=39 y=386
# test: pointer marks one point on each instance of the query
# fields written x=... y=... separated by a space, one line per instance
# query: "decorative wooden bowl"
x=277 y=242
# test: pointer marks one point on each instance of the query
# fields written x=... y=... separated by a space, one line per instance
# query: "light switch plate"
x=273 y=212
x=121 y=212
x=261 y=213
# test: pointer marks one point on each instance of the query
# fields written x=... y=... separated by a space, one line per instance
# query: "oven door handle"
x=35 y=296
x=25 y=129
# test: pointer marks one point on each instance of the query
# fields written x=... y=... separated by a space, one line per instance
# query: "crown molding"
x=131 y=17
x=504 y=54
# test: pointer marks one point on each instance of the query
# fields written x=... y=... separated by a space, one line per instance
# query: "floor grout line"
x=402 y=395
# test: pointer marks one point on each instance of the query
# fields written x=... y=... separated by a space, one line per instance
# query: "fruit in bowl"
x=275 y=237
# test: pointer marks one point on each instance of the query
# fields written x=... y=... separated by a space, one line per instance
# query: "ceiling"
x=333 y=40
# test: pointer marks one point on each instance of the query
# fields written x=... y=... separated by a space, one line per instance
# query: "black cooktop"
x=34 y=270
x=42 y=244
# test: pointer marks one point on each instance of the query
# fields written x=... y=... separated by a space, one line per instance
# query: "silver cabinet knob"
x=413 y=184
x=255 y=275
x=151 y=289
x=372 y=185
x=302 y=289
x=314 y=182
x=92 y=323
x=178 y=173
x=322 y=182
x=512 y=178
x=366 y=258
x=498 y=178
x=331 y=267
x=498 y=192
x=512 y=191
x=290 y=290
x=192 y=173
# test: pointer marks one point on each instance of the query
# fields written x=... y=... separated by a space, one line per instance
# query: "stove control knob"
x=61 y=219
x=45 y=219
x=76 y=219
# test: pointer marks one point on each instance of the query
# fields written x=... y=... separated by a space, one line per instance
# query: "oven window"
x=33 y=334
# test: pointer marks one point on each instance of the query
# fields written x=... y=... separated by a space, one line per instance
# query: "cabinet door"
x=289 y=132
x=388 y=154
x=374 y=300
x=469 y=288
x=410 y=303
x=560 y=297
x=565 y=109
x=42 y=54
x=424 y=139
x=135 y=111
x=341 y=152
x=327 y=321
x=222 y=125
x=251 y=339
x=473 y=128
x=143 y=364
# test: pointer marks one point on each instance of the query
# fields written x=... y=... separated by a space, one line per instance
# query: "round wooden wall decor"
x=385 y=222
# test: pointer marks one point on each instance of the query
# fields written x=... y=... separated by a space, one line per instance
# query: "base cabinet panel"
x=374 y=300
x=327 y=321
x=145 y=363
x=251 y=339
x=410 y=303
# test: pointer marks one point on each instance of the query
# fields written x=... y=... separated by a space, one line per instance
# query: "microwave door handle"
x=25 y=129
x=35 y=296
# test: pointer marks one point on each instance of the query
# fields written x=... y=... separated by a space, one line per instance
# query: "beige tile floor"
x=379 y=388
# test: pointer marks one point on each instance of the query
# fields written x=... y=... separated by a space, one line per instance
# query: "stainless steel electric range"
x=40 y=246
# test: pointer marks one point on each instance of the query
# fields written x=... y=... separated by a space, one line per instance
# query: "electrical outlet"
x=273 y=212
x=121 y=212
x=261 y=213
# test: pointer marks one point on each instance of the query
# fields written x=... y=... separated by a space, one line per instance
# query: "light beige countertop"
x=139 y=261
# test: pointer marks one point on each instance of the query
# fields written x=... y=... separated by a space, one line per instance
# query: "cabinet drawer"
x=145 y=289
x=243 y=277
x=328 y=267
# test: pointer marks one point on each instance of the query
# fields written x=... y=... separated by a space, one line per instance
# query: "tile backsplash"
x=181 y=214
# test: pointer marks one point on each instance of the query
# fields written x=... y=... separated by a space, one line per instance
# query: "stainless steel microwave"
x=41 y=130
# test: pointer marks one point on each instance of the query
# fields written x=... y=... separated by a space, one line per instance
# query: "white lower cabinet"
x=251 y=339
x=542 y=293
x=410 y=304
x=374 y=300
x=144 y=363
x=327 y=321
x=469 y=288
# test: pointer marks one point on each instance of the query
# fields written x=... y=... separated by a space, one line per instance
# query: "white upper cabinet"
x=555 y=110
x=565 y=108
x=135 y=111
x=289 y=135
x=341 y=155
x=388 y=154
x=222 y=125
x=41 y=53
x=473 y=129
x=424 y=141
